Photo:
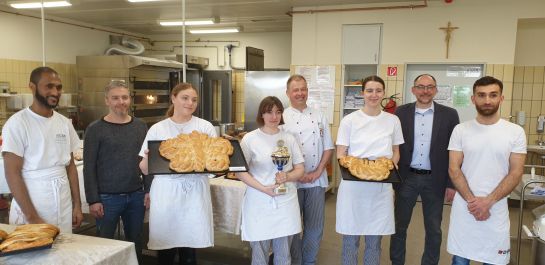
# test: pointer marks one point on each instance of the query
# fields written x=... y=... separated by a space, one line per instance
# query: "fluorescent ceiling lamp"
x=21 y=5
x=210 y=31
x=196 y=22
x=138 y=1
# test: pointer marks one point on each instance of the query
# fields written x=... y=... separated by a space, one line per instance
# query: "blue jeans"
x=130 y=208
x=457 y=260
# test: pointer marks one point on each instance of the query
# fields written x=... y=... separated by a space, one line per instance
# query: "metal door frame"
x=226 y=91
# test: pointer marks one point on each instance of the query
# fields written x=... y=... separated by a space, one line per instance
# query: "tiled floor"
x=230 y=250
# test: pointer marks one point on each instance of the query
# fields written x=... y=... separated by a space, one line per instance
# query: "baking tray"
x=21 y=251
x=158 y=165
x=394 y=176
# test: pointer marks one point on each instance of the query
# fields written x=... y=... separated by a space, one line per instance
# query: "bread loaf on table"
x=29 y=236
x=3 y=234
x=24 y=243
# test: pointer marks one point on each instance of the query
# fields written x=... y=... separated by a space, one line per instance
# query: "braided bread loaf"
x=196 y=152
x=367 y=169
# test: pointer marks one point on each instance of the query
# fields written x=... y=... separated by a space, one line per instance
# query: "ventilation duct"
x=125 y=46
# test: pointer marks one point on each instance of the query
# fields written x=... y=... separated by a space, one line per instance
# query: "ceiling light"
x=39 y=4
x=138 y=1
x=191 y=22
x=216 y=30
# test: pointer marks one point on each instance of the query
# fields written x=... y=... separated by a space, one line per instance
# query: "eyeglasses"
x=422 y=87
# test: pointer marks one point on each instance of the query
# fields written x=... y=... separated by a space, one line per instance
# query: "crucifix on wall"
x=448 y=31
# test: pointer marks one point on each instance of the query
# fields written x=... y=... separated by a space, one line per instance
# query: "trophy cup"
x=280 y=158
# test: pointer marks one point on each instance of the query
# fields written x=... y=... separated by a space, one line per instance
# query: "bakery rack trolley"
x=521 y=207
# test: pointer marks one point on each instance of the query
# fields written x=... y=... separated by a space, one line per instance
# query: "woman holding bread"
x=367 y=208
x=270 y=217
x=180 y=205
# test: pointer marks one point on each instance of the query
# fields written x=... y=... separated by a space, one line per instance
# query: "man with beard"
x=38 y=143
x=423 y=162
x=113 y=182
x=486 y=163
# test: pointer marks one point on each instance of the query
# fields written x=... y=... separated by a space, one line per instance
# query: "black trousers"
x=188 y=256
x=432 y=206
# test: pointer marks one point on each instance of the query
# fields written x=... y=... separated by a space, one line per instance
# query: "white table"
x=70 y=249
x=227 y=196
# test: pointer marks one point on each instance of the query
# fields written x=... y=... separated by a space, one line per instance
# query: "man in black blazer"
x=427 y=127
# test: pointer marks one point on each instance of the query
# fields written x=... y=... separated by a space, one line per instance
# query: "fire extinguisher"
x=391 y=104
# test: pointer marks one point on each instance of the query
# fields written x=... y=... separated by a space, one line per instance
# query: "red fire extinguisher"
x=391 y=104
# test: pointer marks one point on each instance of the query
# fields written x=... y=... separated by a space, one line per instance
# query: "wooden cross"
x=448 y=31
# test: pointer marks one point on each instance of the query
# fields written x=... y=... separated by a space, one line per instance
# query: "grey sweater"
x=110 y=158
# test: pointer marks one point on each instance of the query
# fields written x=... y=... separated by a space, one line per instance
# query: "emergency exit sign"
x=392 y=71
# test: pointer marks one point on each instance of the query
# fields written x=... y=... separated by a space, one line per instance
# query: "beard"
x=121 y=110
x=489 y=111
x=43 y=100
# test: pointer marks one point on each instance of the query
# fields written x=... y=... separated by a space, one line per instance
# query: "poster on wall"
x=444 y=94
x=461 y=96
x=321 y=88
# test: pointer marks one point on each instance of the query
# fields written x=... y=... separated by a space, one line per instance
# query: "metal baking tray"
x=20 y=251
x=25 y=250
x=394 y=176
x=158 y=165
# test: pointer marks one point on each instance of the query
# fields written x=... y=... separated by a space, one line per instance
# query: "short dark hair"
x=488 y=80
x=36 y=74
x=431 y=76
x=265 y=106
x=295 y=78
x=374 y=78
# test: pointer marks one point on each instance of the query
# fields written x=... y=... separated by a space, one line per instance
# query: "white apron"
x=482 y=241
x=365 y=208
x=180 y=213
x=486 y=150
x=265 y=217
x=49 y=191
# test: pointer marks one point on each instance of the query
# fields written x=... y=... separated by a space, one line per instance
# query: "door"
x=216 y=100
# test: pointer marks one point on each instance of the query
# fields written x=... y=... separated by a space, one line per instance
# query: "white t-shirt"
x=42 y=142
x=486 y=150
x=311 y=128
x=166 y=129
x=370 y=136
x=45 y=144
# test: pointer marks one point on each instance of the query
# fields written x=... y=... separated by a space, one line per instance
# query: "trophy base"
x=281 y=190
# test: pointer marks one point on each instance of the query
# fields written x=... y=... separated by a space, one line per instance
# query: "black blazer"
x=444 y=121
